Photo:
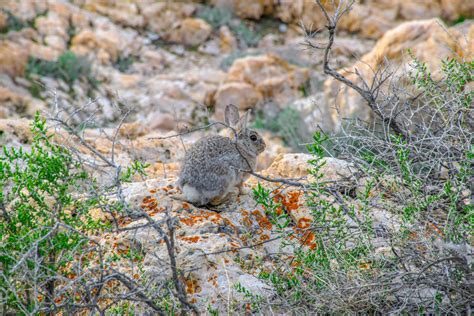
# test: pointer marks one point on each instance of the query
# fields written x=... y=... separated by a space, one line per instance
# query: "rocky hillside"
x=157 y=68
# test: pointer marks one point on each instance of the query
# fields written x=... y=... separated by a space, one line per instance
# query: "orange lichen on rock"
x=213 y=279
x=304 y=222
x=192 y=286
x=246 y=219
x=150 y=205
x=190 y=239
x=191 y=220
x=308 y=240
x=264 y=237
x=122 y=221
x=262 y=220
x=290 y=202
x=121 y=248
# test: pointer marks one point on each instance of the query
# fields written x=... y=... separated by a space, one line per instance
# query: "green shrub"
x=227 y=61
x=288 y=124
x=67 y=67
x=218 y=17
x=249 y=36
x=42 y=223
x=124 y=63
x=359 y=264
x=13 y=23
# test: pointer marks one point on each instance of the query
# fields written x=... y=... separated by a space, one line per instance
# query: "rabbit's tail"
x=191 y=194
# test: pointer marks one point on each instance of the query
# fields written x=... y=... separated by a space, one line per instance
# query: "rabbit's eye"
x=253 y=137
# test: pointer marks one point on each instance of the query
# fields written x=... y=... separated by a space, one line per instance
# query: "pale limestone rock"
x=315 y=112
x=163 y=16
x=419 y=10
x=154 y=59
x=13 y=58
x=16 y=129
x=24 y=10
x=63 y=10
x=246 y=9
x=275 y=147
x=52 y=24
x=297 y=166
x=369 y=21
x=203 y=93
x=228 y=42
x=305 y=11
x=453 y=9
x=158 y=120
x=271 y=76
x=56 y=42
x=43 y=52
x=241 y=94
x=200 y=231
x=104 y=43
x=190 y=31
x=249 y=9
x=3 y=20
x=124 y=13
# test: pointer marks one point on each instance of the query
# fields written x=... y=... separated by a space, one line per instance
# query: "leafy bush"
x=124 y=63
x=288 y=124
x=13 y=22
x=42 y=224
x=51 y=260
x=249 y=36
x=218 y=17
x=418 y=259
x=67 y=67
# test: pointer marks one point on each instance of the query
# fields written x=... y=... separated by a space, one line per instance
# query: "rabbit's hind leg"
x=228 y=198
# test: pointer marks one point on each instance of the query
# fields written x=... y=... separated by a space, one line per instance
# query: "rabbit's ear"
x=244 y=120
x=231 y=115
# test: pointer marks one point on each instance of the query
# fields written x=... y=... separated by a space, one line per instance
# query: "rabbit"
x=211 y=168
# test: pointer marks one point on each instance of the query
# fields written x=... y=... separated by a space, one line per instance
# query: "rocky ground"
x=175 y=65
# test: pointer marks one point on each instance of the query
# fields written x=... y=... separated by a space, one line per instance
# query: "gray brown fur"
x=210 y=170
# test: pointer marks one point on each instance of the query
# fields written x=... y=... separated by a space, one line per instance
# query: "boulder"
x=227 y=40
x=315 y=112
x=105 y=44
x=190 y=31
x=124 y=13
x=241 y=94
x=13 y=58
x=25 y=10
x=370 y=21
x=3 y=20
x=52 y=24
x=270 y=75
x=43 y=52
x=297 y=166
x=161 y=17
x=452 y=10
x=246 y=9
x=306 y=12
